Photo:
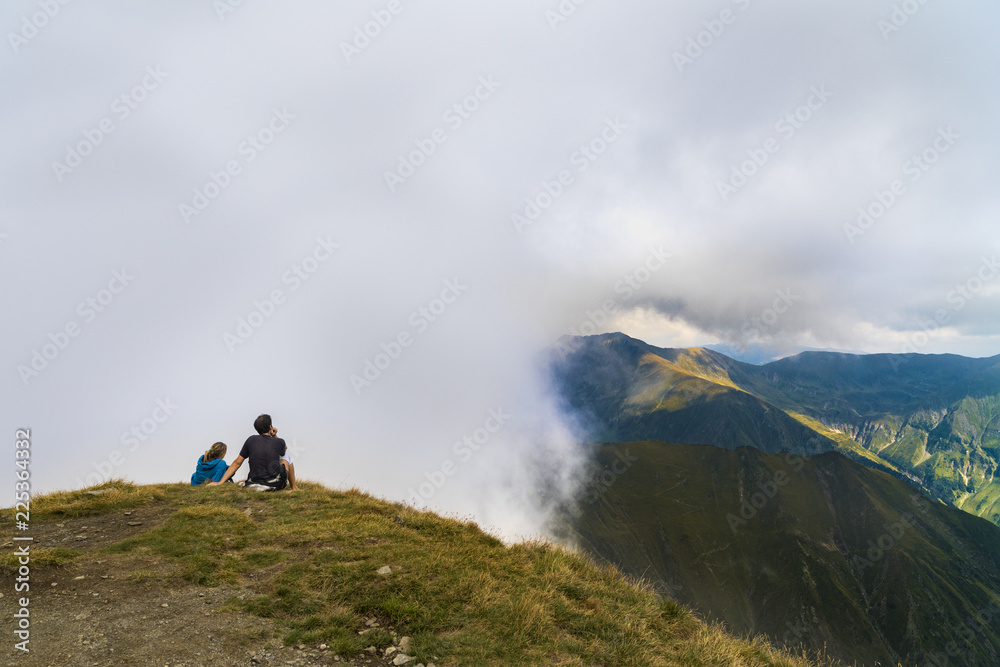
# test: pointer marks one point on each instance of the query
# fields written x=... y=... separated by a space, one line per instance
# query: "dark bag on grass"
x=276 y=483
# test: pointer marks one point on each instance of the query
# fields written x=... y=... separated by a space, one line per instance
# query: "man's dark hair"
x=262 y=424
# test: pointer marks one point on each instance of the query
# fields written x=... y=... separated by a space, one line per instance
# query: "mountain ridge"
x=933 y=420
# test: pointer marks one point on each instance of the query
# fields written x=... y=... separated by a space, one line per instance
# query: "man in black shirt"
x=264 y=450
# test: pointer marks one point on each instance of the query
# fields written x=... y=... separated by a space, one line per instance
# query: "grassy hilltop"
x=303 y=569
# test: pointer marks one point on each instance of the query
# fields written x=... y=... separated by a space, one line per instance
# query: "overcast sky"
x=210 y=210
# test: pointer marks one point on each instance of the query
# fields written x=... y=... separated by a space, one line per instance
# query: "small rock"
x=82 y=576
x=371 y=649
x=323 y=647
x=385 y=570
x=402 y=659
x=404 y=645
x=128 y=513
x=135 y=523
x=301 y=647
x=390 y=650
x=53 y=584
x=164 y=605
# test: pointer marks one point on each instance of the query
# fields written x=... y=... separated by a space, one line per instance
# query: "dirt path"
x=125 y=610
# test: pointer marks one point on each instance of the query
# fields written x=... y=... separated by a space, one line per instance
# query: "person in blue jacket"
x=211 y=465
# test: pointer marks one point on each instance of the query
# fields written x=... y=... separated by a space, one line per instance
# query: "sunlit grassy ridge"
x=464 y=596
x=662 y=385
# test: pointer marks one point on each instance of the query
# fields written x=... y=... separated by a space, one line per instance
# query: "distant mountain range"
x=806 y=499
x=931 y=419
x=757 y=353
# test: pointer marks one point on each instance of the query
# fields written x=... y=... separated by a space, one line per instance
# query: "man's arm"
x=230 y=471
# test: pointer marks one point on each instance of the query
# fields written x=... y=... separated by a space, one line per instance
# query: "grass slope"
x=818 y=551
x=311 y=560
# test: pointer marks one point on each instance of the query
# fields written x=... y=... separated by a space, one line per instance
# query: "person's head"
x=262 y=424
x=216 y=451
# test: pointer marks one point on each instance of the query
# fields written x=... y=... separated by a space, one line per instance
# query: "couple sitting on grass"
x=271 y=467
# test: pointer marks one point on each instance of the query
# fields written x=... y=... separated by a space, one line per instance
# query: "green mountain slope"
x=818 y=551
x=932 y=419
x=623 y=389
